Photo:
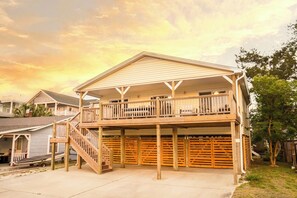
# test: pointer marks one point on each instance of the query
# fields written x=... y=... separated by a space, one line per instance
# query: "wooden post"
x=158 y=152
x=53 y=147
x=100 y=131
x=234 y=156
x=158 y=107
x=173 y=95
x=111 y=158
x=244 y=152
x=56 y=108
x=80 y=108
x=66 y=156
x=12 y=150
x=123 y=148
x=175 y=148
x=29 y=145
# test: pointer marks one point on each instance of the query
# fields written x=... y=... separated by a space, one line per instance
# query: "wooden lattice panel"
x=222 y=152
x=131 y=154
x=167 y=151
x=114 y=143
x=246 y=152
x=210 y=152
x=200 y=152
x=148 y=147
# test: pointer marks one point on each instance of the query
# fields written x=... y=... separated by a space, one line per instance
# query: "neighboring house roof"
x=159 y=56
x=9 y=125
x=61 y=98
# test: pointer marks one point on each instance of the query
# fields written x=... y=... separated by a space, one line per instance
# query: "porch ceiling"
x=160 y=86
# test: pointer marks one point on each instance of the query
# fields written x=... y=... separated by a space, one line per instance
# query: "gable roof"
x=158 y=56
x=8 y=125
x=61 y=98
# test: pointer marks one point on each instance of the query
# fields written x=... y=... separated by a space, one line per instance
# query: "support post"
x=139 y=150
x=66 y=156
x=53 y=147
x=158 y=152
x=175 y=148
x=80 y=108
x=11 y=107
x=123 y=148
x=12 y=150
x=234 y=156
x=100 y=131
x=56 y=108
x=28 y=146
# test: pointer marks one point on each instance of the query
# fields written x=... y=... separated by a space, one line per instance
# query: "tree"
x=282 y=63
x=30 y=110
x=274 y=118
x=273 y=78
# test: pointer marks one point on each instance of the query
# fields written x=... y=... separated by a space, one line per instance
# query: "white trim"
x=178 y=84
x=168 y=85
x=125 y=91
x=228 y=79
x=49 y=143
x=158 y=82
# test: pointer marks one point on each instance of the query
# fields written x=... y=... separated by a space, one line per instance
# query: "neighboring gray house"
x=26 y=137
x=7 y=107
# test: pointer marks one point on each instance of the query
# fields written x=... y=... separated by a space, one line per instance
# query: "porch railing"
x=169 y=107
x=19 y=156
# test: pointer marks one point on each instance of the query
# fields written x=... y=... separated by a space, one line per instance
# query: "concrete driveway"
x=132 y=181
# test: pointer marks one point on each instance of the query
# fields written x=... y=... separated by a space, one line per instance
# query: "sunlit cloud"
x=45 y=49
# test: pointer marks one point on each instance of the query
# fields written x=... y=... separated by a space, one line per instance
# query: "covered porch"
x=14 y=147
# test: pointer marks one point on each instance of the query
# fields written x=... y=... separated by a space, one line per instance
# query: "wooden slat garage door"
x=246 y=151
x=114 y=143
x=210 y=152
x=131 y=154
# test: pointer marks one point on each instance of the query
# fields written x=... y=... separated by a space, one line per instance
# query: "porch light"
x=216 y=93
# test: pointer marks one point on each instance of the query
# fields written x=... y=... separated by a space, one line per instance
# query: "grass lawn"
x=266 y=181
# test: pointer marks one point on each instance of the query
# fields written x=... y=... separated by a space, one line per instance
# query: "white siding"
x=149 y=70
x=42 y=98
x=39 y=142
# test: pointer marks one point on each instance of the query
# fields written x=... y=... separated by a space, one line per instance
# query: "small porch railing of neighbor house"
x=161 y=108
x=19 y=156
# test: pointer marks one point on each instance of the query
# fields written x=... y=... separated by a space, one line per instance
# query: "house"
x=165 y=111
x=59 y=104
x=7 y=107
x=27 y=137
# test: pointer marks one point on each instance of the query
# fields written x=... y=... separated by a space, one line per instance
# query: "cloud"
x=57 y=47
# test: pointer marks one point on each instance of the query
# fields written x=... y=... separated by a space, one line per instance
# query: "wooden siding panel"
x=42 y=98
x=150 y=70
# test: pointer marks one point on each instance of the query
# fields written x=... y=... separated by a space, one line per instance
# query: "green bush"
x=253 y=177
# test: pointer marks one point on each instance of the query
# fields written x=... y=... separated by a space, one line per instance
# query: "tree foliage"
x=273 y=78
x=30 y=110
x=281 y=63
x=274 y=118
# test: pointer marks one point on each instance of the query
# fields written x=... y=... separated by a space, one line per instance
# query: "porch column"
x=56 y=108
x=100 y=131
x=11 y=107
x=123 y=148
x=53 y=147
x=175 y=148
x=12 y=150
x=158 y=152
x=234 y=156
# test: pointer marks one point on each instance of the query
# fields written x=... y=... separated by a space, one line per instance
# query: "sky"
x=58 y=44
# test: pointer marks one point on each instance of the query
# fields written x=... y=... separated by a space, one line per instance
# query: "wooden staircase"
x=85 y=143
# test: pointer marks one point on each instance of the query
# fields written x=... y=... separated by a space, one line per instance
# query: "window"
x=49 y=148
x=160 y=97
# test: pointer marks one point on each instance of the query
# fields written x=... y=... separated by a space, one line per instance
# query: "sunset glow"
x=56 y=45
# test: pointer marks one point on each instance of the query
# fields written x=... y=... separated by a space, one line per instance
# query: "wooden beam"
x=228 y=79
x=80 y=108
x=100 y=132
x=123 y=148
x=173 y=89
x=1 y=136
x=84 y=95
x=158 y=151
x=66 y=155
x=53 y=147
x=120 y=91
x=178 y=84
x=79 y=161
x=168 y=85
x=234 y=153
x=126 y=90
x=175 y=148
